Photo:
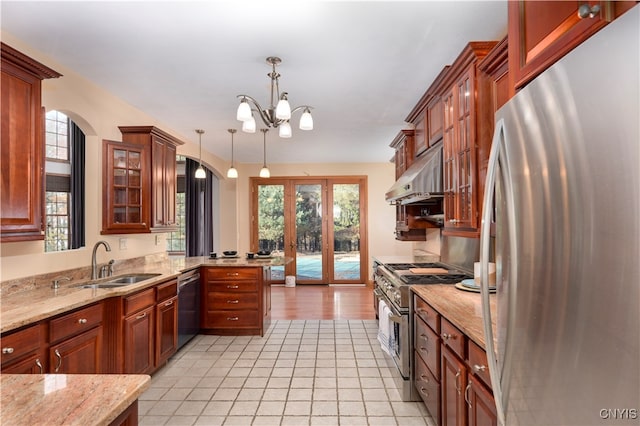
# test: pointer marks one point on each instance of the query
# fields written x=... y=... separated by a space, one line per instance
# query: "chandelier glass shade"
x=232 y=173
x=276 y=115
x=200 y=173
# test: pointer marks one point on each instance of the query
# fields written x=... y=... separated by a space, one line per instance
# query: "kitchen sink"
x=119 y=281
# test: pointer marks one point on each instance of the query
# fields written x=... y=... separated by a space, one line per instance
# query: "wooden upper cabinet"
x=426 y=116
x=403 y=146
x=467 y=124
x=163 y=173
x=541 y=32
x=140 y=181
x=125 y=192
x=22 y=148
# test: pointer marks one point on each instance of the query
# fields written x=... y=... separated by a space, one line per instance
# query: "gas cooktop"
x=402 y=271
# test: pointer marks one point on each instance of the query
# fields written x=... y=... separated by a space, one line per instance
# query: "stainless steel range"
x=392 y=281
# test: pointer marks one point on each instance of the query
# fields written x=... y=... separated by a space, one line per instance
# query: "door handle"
x=291 y=245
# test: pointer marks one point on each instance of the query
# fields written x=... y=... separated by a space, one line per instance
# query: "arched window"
x=64 y=183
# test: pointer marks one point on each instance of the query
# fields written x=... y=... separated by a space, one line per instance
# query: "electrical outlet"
x=157 y=240
x=123 y=243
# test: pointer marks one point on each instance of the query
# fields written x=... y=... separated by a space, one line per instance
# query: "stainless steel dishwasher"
x=188 y=306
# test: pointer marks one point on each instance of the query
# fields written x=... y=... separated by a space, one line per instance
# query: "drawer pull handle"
x=446 y=336
x=466 y=394
x=232 y=274
x=424 y=378
x=232 y=286
x=478 y=368
x=59 y=360
x=423 y=349
x=424 y=392
x=424 y=337
x=39 y=364
x=7 y=350
x=169 y=303
x=82 y=321
x=142 y=315
x=233 y=301
x=458 y=388
x=232 y=318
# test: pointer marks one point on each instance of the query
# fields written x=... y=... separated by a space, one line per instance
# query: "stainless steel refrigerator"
x=564 y=169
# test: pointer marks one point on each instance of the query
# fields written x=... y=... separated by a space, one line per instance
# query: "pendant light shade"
x=232 y=173
x=283 y=110
x=264 y=172
x=249 y=126
x=200 y=173
x=244 y=110
x=306 y=120
x=284 y=131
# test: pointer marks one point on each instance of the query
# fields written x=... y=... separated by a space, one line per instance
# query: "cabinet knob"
x=82 y=321
x=588 y=11
x=7 y=350
x=478 y=368
x=446 y=336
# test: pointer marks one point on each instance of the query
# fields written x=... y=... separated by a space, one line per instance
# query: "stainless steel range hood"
x=421 y=181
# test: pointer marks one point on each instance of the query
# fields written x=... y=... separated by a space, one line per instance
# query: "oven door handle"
x=377 y=293
x=395 y=318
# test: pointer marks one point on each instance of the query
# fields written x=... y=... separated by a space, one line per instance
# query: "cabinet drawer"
x=232 y=301
x=139 y=301
x=427 y=346
x=232 y=286
x=478 y=363
x=453 y=337
x=428 y=388
x=427 y=313
x=20 y=343
x=233 y=319
x=166 y=290
x=75 y=322
x=224 y=273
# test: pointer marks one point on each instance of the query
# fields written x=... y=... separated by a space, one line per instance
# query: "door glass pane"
x=271 y=223
x=309 y=232
x=346 y=232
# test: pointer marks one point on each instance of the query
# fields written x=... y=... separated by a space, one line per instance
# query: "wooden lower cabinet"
x=166 y=330
x=481 y=407
x=235 y=301
x=24 y=351
x=454 y=378
x=451 y=372
x=139 y=340
x=81 y=354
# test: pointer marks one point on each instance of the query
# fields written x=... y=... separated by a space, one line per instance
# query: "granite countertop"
x=74 y=399
x=423 y=258
x=20 y=308
x=462 y=308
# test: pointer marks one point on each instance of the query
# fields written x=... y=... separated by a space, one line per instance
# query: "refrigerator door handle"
x=487 y=209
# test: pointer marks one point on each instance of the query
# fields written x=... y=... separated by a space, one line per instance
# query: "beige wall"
x=99 y=114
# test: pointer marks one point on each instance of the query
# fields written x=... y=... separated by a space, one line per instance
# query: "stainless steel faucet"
x=94 y=265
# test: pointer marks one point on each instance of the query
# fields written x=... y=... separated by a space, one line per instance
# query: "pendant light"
x=232 y=173
x=264 y=172
x=200 y=173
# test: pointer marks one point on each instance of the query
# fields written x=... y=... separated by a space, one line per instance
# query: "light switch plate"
x=123 y=243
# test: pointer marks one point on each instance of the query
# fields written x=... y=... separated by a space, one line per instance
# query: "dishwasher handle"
x=187 y=280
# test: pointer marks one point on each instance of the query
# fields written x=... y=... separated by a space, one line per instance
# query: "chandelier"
x=276 y=116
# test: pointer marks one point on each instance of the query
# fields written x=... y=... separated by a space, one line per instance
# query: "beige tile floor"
x=302 y=372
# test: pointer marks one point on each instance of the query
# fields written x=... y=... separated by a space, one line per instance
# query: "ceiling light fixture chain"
x=276 y=116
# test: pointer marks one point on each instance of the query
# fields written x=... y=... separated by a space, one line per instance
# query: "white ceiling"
x=362 y=65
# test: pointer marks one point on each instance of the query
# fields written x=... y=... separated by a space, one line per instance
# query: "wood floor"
x=321 y=302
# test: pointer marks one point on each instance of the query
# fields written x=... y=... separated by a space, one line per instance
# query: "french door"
x=318 y=223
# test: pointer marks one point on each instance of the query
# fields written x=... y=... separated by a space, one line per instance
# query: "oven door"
x=400 y=321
